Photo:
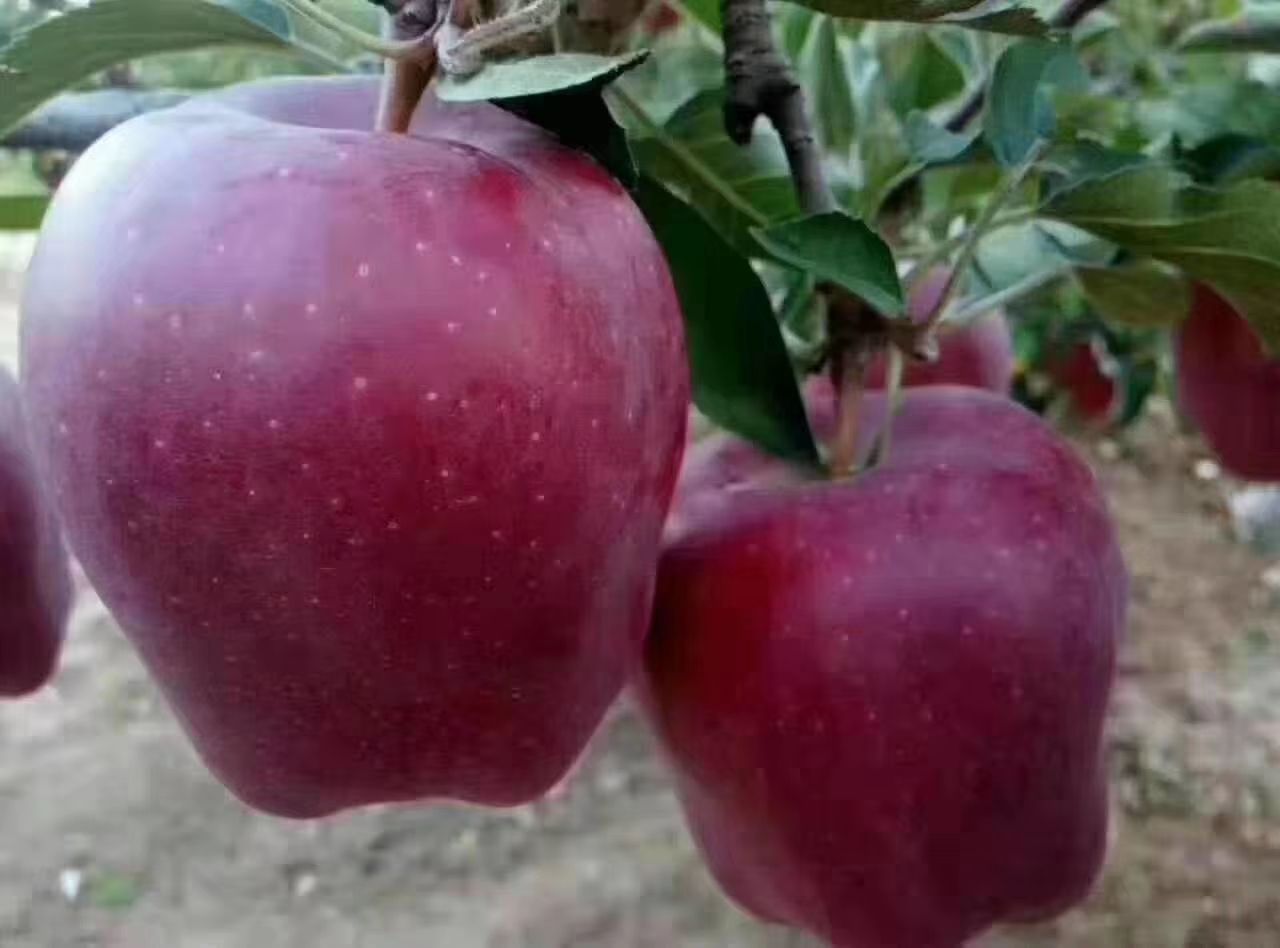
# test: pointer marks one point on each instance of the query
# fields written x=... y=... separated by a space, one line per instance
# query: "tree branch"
x=760 y=82
x=1068 y=16
x=75 y=121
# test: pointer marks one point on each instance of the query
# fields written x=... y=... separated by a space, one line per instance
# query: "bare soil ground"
x=111 y=833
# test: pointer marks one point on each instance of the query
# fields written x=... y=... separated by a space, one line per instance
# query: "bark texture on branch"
x=760 y=81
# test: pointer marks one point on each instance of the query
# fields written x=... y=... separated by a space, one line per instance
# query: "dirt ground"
x=111 y=833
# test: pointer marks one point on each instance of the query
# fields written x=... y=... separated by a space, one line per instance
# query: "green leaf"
x=1014 y=18
x=1144 y=294
x=933 y=144
x=538 y=75
x=1019 y=110
x=841 y=249
x=63 y=51
x=1255 y=32
x=742 y=376
x=734 y=188
x=823 y=64
x=1227 y=238
x=1232 y=157
x=22 y=211
x=706 y=12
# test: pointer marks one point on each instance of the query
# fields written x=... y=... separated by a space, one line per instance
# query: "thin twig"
x=404 y=81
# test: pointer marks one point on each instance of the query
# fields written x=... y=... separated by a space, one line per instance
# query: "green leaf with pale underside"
x=538 y=75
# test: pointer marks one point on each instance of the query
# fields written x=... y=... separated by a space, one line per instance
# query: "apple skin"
x=35 y=581
x=979 y=354
x=1095 y=397
x=883 y=698
x=1229 y=387
x=362 y=439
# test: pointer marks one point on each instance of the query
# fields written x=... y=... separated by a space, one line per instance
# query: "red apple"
x=1230 y=387
x=884 y=697
x=1093 y=396
x=979 y=353
x=362 y=438
x=35 y=584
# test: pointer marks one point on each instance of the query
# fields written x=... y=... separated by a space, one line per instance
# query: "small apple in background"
x=1230 y=387
x=884 y=697
x=1093 y=397
x=361 y=439
x=35 y=582
x=979 y=353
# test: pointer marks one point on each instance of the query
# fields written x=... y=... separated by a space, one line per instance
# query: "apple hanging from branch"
x=883 y=698
x=360 y=437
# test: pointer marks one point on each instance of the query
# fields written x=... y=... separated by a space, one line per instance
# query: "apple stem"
x=404 y=81
x=893 y=392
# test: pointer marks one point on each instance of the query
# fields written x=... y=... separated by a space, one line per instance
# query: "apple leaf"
x=538 y=75
x=742 y=375
x=1232 y=157
x=734 y=188
x=841 y=249
x=824 y=66
x=933 y=144
x=1012 y=18
x=1144 y=294
x=1228 y=238
x=579 y=117
x=22 y=211
x=1255 y=32
x=1019 y=110
x=706 y=12
x=62 y=51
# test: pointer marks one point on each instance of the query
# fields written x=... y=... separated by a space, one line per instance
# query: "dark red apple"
x=1230 y=387
x=35 y=584
x=979 y=353
x=883 y=698
x=362 y=438
x=1093 y=396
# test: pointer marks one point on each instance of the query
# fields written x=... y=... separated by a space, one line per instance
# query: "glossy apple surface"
x=1230 y=387
x=35 y=584
x=362 y=438
x=884 y=698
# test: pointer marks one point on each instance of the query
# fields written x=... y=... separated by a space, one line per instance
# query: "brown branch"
x=1068 y=16
x=761 y=82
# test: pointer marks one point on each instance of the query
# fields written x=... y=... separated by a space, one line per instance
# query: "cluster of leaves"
x=1107 y=169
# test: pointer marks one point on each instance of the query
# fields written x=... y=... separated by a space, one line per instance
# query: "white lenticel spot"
x=306 y=465
x=248 y=310
x=455 y=259
x=483 y=276
x=420 y=246
x=274 y=424
x=139 y=299
x=967 y=631
x=284 y=172
x=63 y=429
x=452 y=327
x=445 y=473
x=496 y=534
x=217 y=376
x=433 y=396
x=904 y=614
x=160 y=443
x=540 y=498
x=595 y=422
x=363 y=270
x=132 y=526
x=493 y=311
x=312 y=309
x=463 y=404
x=206 y=424
x=252 y=492
x=221 y=248
x=360 y=383
x=535 y=437
x=343 y=155
x=393 y=526
x=175 y=322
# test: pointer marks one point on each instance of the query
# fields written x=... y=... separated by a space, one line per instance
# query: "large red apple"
x=1230 y=387
x=364 y=439
x=35 y=584
x=979 y=353
x=884 y=697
